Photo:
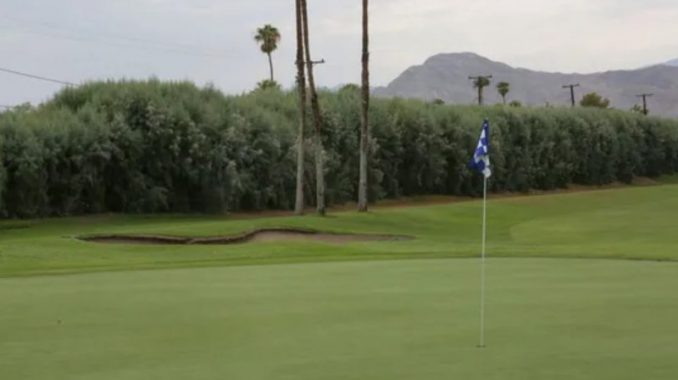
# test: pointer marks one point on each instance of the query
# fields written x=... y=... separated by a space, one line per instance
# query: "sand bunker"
x=261 y=235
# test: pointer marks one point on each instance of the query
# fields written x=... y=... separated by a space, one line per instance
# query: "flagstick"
x=482 y=268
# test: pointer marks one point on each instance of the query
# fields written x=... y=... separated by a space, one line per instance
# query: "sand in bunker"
x=264 y=235
x=328 y=238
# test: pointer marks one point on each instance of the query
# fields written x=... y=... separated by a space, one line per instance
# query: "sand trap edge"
x=264 y=234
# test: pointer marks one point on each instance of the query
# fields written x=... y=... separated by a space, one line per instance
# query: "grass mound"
x=627 y=223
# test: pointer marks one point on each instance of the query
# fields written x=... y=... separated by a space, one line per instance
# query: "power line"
x=38 y=77
x=571 y=87
x=645 y=96
x=319 y=62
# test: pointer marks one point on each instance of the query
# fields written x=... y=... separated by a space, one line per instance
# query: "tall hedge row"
x=172 y=147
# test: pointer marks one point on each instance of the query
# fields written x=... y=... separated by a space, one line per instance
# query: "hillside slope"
x=445 y=76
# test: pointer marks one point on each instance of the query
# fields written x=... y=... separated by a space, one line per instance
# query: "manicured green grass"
x=633 y=223
x=402 y=319
x=354 y=311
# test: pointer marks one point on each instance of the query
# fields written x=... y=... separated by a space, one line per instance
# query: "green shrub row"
x=172 y=147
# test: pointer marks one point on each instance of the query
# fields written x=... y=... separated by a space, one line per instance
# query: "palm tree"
x=364 y=125
x=268 y=84
x=301 y=87
x=268 y=36
x=480 y=83
x=503 y=88
x=317 y=117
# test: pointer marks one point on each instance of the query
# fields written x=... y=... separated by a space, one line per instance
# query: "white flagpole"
x=482 y=268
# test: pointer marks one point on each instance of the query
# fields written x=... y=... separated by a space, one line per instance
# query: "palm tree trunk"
x=480 y=95
x=320 y=175
x=503 y=99
x=301 y=85
x=364 y=127
x=317 y=118
x=270 y=65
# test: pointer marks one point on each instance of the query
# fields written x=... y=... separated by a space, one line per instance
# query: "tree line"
x=591 y=99
x=151 y=146
x=268 y=37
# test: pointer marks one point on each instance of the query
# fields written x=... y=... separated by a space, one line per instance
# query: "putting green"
x=400 y=319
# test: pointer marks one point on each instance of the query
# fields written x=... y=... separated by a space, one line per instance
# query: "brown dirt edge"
x=259 y=235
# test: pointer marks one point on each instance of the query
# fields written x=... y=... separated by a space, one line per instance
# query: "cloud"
x=211 y=40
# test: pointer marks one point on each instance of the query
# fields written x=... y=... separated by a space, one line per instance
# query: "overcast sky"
x=212 y=40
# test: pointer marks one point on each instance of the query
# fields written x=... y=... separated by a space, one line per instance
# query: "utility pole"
x=645 y=96
x=481 y=81
x=571 y=87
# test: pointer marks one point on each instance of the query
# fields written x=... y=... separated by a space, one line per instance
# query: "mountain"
x=445 y=76
x=672 y=63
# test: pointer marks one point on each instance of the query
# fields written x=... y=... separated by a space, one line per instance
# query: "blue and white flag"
x=481 y=157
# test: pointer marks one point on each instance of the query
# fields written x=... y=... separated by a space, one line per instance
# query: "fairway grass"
x=629 y=223
x=399 y=319
x=72 y=310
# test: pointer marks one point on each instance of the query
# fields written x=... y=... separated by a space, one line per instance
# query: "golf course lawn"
x=627 y=223
x=580 y=286
x=403 y=319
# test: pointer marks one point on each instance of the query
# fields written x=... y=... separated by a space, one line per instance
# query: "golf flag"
x=481 y=163
x=481 y=157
